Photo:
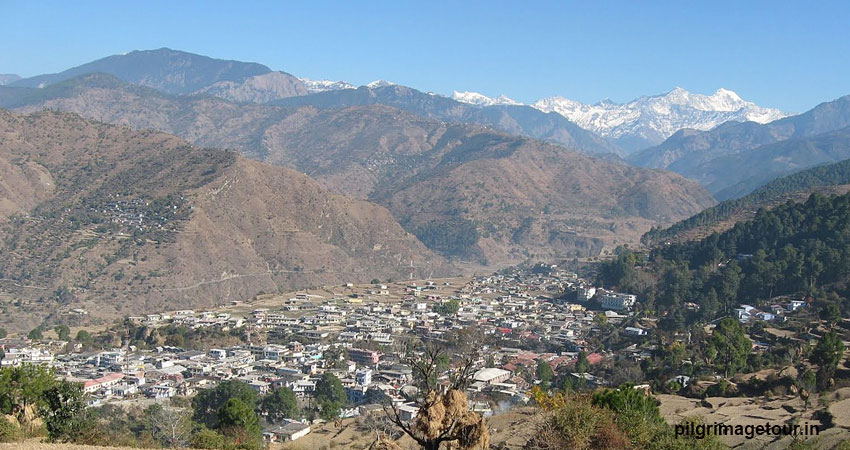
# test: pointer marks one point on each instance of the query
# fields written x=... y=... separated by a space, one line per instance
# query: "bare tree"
x=171 y=426
x=443 y=414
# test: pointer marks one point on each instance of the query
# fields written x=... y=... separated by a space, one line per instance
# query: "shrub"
x=10 y=432
x=208 y=439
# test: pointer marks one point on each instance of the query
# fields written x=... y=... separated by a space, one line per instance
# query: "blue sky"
x=790 y=55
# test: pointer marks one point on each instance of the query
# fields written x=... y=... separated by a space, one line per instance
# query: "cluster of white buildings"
x=353 y=336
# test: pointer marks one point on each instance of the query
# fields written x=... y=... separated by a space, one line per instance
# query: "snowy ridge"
x=474 y=98
x=380 y=83
x=314 y=86
x=655 y=118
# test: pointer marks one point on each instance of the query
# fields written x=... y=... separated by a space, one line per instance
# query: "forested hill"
x=724 y=215
x=794 y=249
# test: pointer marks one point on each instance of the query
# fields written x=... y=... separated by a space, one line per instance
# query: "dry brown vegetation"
x=525 y=198
x=243 y=227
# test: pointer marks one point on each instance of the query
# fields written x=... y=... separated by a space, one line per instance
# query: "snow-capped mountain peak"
x=474 y=98
x=649 y=120
x=380 y=83
x=314 y=86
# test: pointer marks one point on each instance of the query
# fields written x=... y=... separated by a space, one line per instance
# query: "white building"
x=616 y=300
x=634 y=331
x=585 y=293
x=491 y=375
x=363 y=377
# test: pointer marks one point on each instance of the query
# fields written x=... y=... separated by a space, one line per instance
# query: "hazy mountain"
x=755 y=168
x=168 y=70
x=104 y=211
x=520 y=120
x=714 y=157
x=257 y=89
x=506 y=197
x=650 y=120
x=829 y=179
x=6 y=78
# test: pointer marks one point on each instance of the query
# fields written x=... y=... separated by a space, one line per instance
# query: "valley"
x=241 y=242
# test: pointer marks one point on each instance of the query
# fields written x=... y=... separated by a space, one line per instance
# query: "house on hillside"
x=290 y=431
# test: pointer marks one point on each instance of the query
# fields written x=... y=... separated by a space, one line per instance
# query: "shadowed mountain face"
x=735 y=157
x=91 y=212
x=513 y=119
x=177 y=72
x=464 y=190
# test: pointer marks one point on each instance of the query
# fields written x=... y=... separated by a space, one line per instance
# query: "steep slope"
x=706 y=156
x=514 y=119
x=168 y=70
x=649 y=120
x=825 y=179
x=144 y=213
x=257 y=89
x=466 y=191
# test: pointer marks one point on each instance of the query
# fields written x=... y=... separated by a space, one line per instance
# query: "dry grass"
x=33 y=445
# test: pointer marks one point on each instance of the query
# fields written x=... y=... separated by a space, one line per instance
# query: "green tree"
x=63 y=332
x=806 y=383
x=582 y=363
x=544 y=374
x=207 y=404
x=731 y=345
x=237 y=414
x=3 y=333
x=239 y=422
x=674 y=354
x=330 y=395
x=830 y=313
x=65 y=412
x=207 y=439
x=36 y=334
x=329 y=388
x=635 y=412
x=827 y=354
x=85 y=339
x=22 y=388
x=448 y=308
x=279 y=404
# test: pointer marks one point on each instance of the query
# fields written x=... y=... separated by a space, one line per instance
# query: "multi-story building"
x=616 y=300
x=364 y=357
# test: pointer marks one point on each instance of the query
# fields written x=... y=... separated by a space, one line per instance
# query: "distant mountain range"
x=474 y=98
x=617 y=128
x=314 y=86
x=520 y=120
x=735 y=157
x=648 y=120
x=508 y=197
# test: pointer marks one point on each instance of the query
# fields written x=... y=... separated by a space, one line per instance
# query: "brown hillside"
x=143 y=215
x=465 y=190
